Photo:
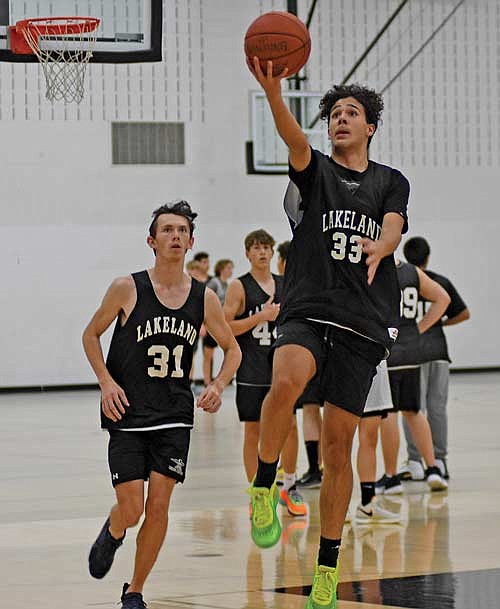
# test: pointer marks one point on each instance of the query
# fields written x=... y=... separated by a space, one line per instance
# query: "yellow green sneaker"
x=324 y=589
x=266 y=528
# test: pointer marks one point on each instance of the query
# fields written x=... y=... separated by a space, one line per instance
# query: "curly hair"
x=370 y=100
x=179 y=208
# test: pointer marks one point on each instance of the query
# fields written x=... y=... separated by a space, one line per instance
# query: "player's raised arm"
x=435 y=294
x=116 y=301
x=286 y=124
x=210 y=398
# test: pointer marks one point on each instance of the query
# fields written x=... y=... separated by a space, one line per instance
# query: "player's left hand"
x=374 y=253
x=210 y=399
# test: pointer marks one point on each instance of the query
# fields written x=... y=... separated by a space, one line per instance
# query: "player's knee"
x=336 y=454
x=288 y=387
x=156 y=509
x=131 y=513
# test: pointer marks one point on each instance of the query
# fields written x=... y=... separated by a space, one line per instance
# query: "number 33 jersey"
x=150 y=357
x=255 y=345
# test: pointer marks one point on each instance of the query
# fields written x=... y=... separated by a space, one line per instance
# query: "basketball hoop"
x=63 y=46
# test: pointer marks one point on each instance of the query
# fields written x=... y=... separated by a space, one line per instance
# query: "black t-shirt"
x=255 y=345
x=326 y=274
x=434 y=340
x=150 y=357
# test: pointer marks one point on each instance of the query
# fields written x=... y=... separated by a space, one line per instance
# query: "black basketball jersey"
x=150 y=357
x=326 y=274
x=255 y=345
x=435 y=344
x=408 y=349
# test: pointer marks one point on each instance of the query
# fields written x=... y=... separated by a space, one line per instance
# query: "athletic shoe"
x=132 y=600
x=443 y=468
x=388 y=486
x=280 y=476
x=103 y=551
x=412 y=470
x=324 y=589
x=374 y=514
x=310 y=479
x=293 y=501
x=434 y=479
x=266 y=528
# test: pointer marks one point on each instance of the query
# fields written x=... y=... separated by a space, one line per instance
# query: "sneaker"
x=103 y=551
x=310 y=479
x=293 y=501
x=434 y=479
x=280 y=475
x=266 y=528
x=443 y=468
x=324 y=589
x=388 y=486
x=412 y=470
x=374 y=514
x=132 y=600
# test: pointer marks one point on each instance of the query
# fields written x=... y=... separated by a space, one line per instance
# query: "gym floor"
x=56 y=494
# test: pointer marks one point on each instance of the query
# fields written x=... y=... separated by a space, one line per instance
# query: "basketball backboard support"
x=265 y=152
x=130 y=30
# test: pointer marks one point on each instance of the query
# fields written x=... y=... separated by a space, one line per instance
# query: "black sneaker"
x=132 y=600
x=380 y=485
x=103 y=551
x=310 y=479
x=434 y=479
x=443 y=467
x=388 y=486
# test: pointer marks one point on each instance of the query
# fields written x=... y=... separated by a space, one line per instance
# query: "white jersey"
x=379 y=397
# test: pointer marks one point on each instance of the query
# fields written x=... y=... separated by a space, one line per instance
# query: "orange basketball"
x=280 y=37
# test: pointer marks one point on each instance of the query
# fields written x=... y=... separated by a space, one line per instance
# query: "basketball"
x=280 y=37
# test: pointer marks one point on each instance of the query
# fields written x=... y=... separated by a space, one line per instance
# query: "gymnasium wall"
x=71 y=221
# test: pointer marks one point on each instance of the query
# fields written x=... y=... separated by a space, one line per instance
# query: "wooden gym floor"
x=56 y=494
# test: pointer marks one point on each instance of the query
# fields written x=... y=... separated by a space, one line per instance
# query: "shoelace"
x=295 y=496
x=261 y=510
x=323 y=587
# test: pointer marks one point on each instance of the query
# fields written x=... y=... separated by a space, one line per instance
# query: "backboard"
x=130 y=30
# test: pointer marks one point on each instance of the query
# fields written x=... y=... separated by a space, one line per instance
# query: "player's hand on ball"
x=210 y=399
x=267 y=81
x=113 y=400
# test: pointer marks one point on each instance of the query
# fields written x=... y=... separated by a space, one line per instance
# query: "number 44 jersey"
x=150 y=357
x=255 y=345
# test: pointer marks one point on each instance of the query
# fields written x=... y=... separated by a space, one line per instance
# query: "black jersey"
x=150 y=357
x=255 y=345
x=326 y=274
x=434 y=340
x=408 y=349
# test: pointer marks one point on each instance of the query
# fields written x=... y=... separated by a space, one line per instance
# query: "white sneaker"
x=443 y=468
x=374 y=514
x=412 y=470
x=435 y=481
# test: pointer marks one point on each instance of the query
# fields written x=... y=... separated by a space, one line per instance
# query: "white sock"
x=289 y=481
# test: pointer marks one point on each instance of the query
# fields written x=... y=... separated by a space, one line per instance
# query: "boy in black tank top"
x=340 y=303
x=146 y=401
x=251 y=309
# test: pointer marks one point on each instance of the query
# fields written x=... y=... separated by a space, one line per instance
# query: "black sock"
x=312 y=447
x=266 y=473
x=367 y=492
x=328 y=552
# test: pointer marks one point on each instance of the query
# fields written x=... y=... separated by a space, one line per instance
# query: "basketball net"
x=63 y=46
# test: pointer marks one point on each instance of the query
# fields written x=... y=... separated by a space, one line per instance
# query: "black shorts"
x=345 y=362
x=208 y=341
x=405 y=389
x=133 y=455
x=249 y=400
x=311 y=395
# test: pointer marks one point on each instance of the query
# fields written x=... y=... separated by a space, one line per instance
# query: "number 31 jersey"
x=150 y=358
x=255 y=345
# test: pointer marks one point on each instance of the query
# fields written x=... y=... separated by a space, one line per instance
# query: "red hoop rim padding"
x=59 y=26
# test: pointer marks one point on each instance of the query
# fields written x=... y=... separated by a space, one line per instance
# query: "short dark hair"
x=259 y=236
x=416 y=251
x=200 y=256
x=370 y=100
x=220 y=266
x=179 y=208
x=283 y=249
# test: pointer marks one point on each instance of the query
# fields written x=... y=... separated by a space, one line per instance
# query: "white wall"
x=70 y=221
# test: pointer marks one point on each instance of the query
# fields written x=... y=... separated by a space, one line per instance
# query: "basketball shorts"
x=345 y=362
x=208 y=341
x=405 y=389
x=379 y=400
x=133 y=455
x=249 y=400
